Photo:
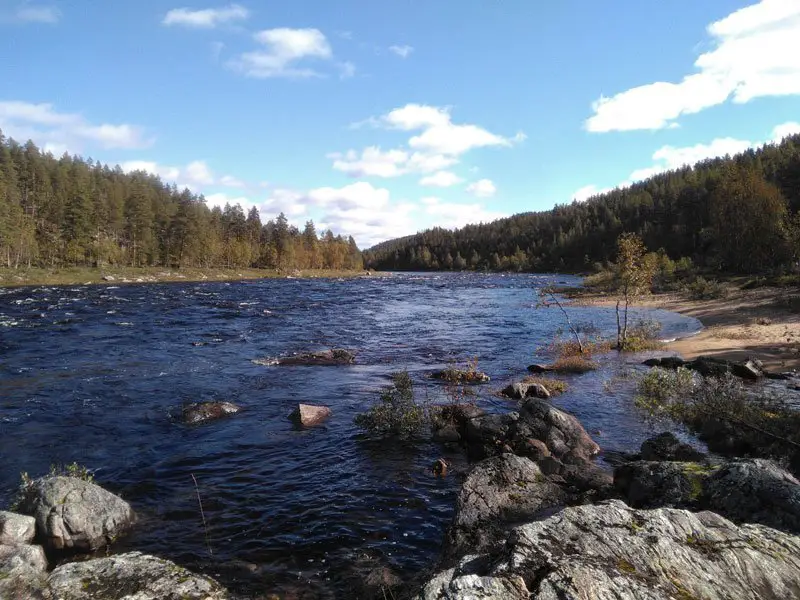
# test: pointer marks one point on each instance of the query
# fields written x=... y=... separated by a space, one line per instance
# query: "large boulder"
x=202 y=412
x=522 y=389
x=75 y=515
x=16 y=529
x=131 y=576
x=499 y=493
x=665 y=446
x=653 y=484
x=755 y=491
x=22 y=571
x=309 y=415
x=610 y=551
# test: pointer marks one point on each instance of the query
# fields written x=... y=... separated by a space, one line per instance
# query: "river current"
x=95 y=374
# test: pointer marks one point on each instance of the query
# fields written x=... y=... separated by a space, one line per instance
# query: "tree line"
x=68 y=211
x=732 y=214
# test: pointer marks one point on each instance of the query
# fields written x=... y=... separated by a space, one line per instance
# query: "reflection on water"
x=91 y=374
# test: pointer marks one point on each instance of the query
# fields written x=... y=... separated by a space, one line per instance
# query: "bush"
x=703 y=289
x=26 y=482
x=643 y=336
x=396 y=414
x=554 y=386
x=724 y=414
x=573 y=364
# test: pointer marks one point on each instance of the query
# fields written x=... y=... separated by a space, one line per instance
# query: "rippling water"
x=92 y=373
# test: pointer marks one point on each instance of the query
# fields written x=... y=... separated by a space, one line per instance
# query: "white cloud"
x=41 y=122
x=588 y=191
x=784 y=130
x=401 y=51
x=755 y=53
x=346 y=70
x=441 y=179
x=483 y=188
x=282 y=50
x=196 y=175
x=230 y=181
x=28 y=13
x=208 y=18
x=453 y=215
x=437 y=147
x=199 y=173
x=168 y=174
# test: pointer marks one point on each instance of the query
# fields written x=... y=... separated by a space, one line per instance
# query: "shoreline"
x=10 y=278
x=744 y=324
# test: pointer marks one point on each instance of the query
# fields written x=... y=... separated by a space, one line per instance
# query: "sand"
x=746 y=323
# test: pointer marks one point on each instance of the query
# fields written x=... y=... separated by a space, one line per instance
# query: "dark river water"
x=93 y=374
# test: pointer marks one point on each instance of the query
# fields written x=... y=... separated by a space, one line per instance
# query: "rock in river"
x=201 y=412
x=22 y=571
x=609 y=551
x=326 y=358
x=309 y=415
x=131 y=576
x=521 y=390
x=75 y=515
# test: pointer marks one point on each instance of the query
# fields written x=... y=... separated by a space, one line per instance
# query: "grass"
x=554 y=386
x=91 y=275
x=574 y=364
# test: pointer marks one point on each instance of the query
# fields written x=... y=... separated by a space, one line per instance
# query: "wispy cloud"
x=207 y=18
x=28 y=12
x=284 y=53
x=401 y=51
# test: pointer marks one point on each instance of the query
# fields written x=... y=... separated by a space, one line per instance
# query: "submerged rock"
x=202 y=412
x=131 y=576
x=539 y=368
x=75 y=515
x=22 y=571
x=453 y=375
x=326 y=358
x=611 y=551
x=309 y=415
x=16 y=529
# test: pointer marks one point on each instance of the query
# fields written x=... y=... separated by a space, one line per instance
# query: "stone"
x=539 y=368
x=749 y=369
x=498 y=492
x=665 y=446
x=755 y=491
x=561 y=431
x=452 y=375
x=22 y=571
x=709 y=367
x=448 y=433
x=326 y=358
x=649 y=484
x=610 y=551
x=310 y=415
x=131 y=576
x=16 y=529
x=75 y=515
x=521 y=390
x=202 y=412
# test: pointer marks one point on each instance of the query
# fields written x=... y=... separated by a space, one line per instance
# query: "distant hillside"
x=736 y=214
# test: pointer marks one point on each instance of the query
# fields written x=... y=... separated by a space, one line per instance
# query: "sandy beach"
x=746 y=323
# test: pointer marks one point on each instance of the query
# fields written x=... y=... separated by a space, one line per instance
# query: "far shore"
x=129 y=275
x=745 y=324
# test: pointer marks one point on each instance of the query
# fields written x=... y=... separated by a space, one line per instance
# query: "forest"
x=736 y=214
x=60 y=212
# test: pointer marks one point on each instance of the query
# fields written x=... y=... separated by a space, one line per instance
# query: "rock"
x=665 y=446
x=749 y=369
x=368 y=578
x=326 y=358
x=452 y=375
x=536 y=449
x=16 y=529
x=539 y=368
x=561 y=432
x=448 y=433
x=108 y=278
x=755 y=491
x=498 y=493
x=201 y=412
x=611 y=551
x=709 y=367
x=131 y=576
x=439 y=467
x=646 y=484
x=310 y=415
x=521 y=390
x=22 y=571
x=75 y=515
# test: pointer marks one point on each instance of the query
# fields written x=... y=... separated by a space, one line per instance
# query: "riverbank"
x=106 y=275
x=762 y=323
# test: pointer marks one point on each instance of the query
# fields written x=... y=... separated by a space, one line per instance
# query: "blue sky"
x=378 y=119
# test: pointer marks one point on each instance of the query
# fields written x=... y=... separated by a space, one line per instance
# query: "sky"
x=378 y=119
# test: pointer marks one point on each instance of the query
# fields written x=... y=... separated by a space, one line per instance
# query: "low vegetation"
x=573 y=364
x=704 y=289
x=724 y=413
x=74 y=470
x=397 y=413
x=466 y=373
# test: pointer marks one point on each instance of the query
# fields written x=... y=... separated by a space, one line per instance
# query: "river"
x=94 y=374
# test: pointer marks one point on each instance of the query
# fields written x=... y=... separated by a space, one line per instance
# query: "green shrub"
x=643 y=336
x=703 y=289
x=396 y=413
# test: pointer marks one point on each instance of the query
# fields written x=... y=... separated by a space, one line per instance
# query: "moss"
x=696 y=475
x=625 y=567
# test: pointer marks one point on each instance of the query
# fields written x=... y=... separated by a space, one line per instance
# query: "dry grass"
x=573 y=364
x=567 y=348
x=554 y=386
